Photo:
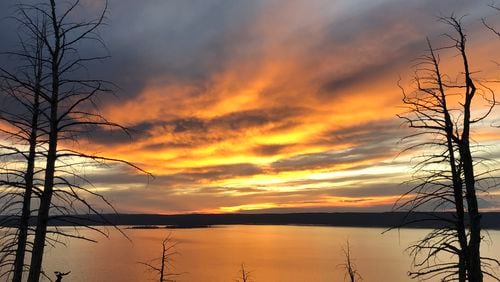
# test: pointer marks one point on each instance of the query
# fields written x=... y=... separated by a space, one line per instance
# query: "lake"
x=271 y=253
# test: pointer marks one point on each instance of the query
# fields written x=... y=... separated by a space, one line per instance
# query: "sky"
x=265 y=106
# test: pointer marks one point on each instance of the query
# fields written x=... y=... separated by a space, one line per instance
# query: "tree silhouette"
x=163 y=264
x=440 y=110
x=351 y=273
x=20 y=89
x=244 y=274
x=54 y=104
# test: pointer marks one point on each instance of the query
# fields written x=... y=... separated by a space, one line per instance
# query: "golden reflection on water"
x=272 y=253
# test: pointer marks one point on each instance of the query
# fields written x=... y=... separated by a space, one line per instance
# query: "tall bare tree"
x=55 y=104
x=430 y=113
x=72 y=112
x=23 y=87
x=440 y=109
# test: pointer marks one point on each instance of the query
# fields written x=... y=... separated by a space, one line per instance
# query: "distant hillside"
x=419 y=220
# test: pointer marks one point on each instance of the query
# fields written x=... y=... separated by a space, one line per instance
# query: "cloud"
x=269 y=150
x=381 y=134
x=246 y=105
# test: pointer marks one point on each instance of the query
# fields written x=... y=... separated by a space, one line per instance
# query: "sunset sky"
x=266 y=105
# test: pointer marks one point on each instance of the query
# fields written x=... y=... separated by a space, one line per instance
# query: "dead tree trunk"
x=28 y=178
x=45 y=201
x=455 y=173
x=444 y=135
x=24 y=86
x=71 y=111
x=48 y=187
x=30 y=167
x=63 y=106
x=474 y=256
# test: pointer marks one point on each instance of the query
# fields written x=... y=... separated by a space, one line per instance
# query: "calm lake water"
x=271 y=253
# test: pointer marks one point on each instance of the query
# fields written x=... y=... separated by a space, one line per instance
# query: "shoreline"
x=394 y=220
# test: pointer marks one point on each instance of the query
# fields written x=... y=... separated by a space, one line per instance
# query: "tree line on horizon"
x=49 y=102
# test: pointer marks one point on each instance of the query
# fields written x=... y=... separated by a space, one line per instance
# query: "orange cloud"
x=281 y=112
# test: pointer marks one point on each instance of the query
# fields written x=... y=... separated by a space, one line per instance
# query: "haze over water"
x=272 y=253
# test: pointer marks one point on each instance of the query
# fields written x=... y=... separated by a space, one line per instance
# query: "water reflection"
x=272 y=253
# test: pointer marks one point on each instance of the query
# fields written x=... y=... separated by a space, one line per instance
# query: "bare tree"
x=72 y=112
x=488 y=25
x=440 y=110
x=163 y=264
x=351 y=273
x=430 y=113
x=244 y=274
x=55 y=105
x=23 y=87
